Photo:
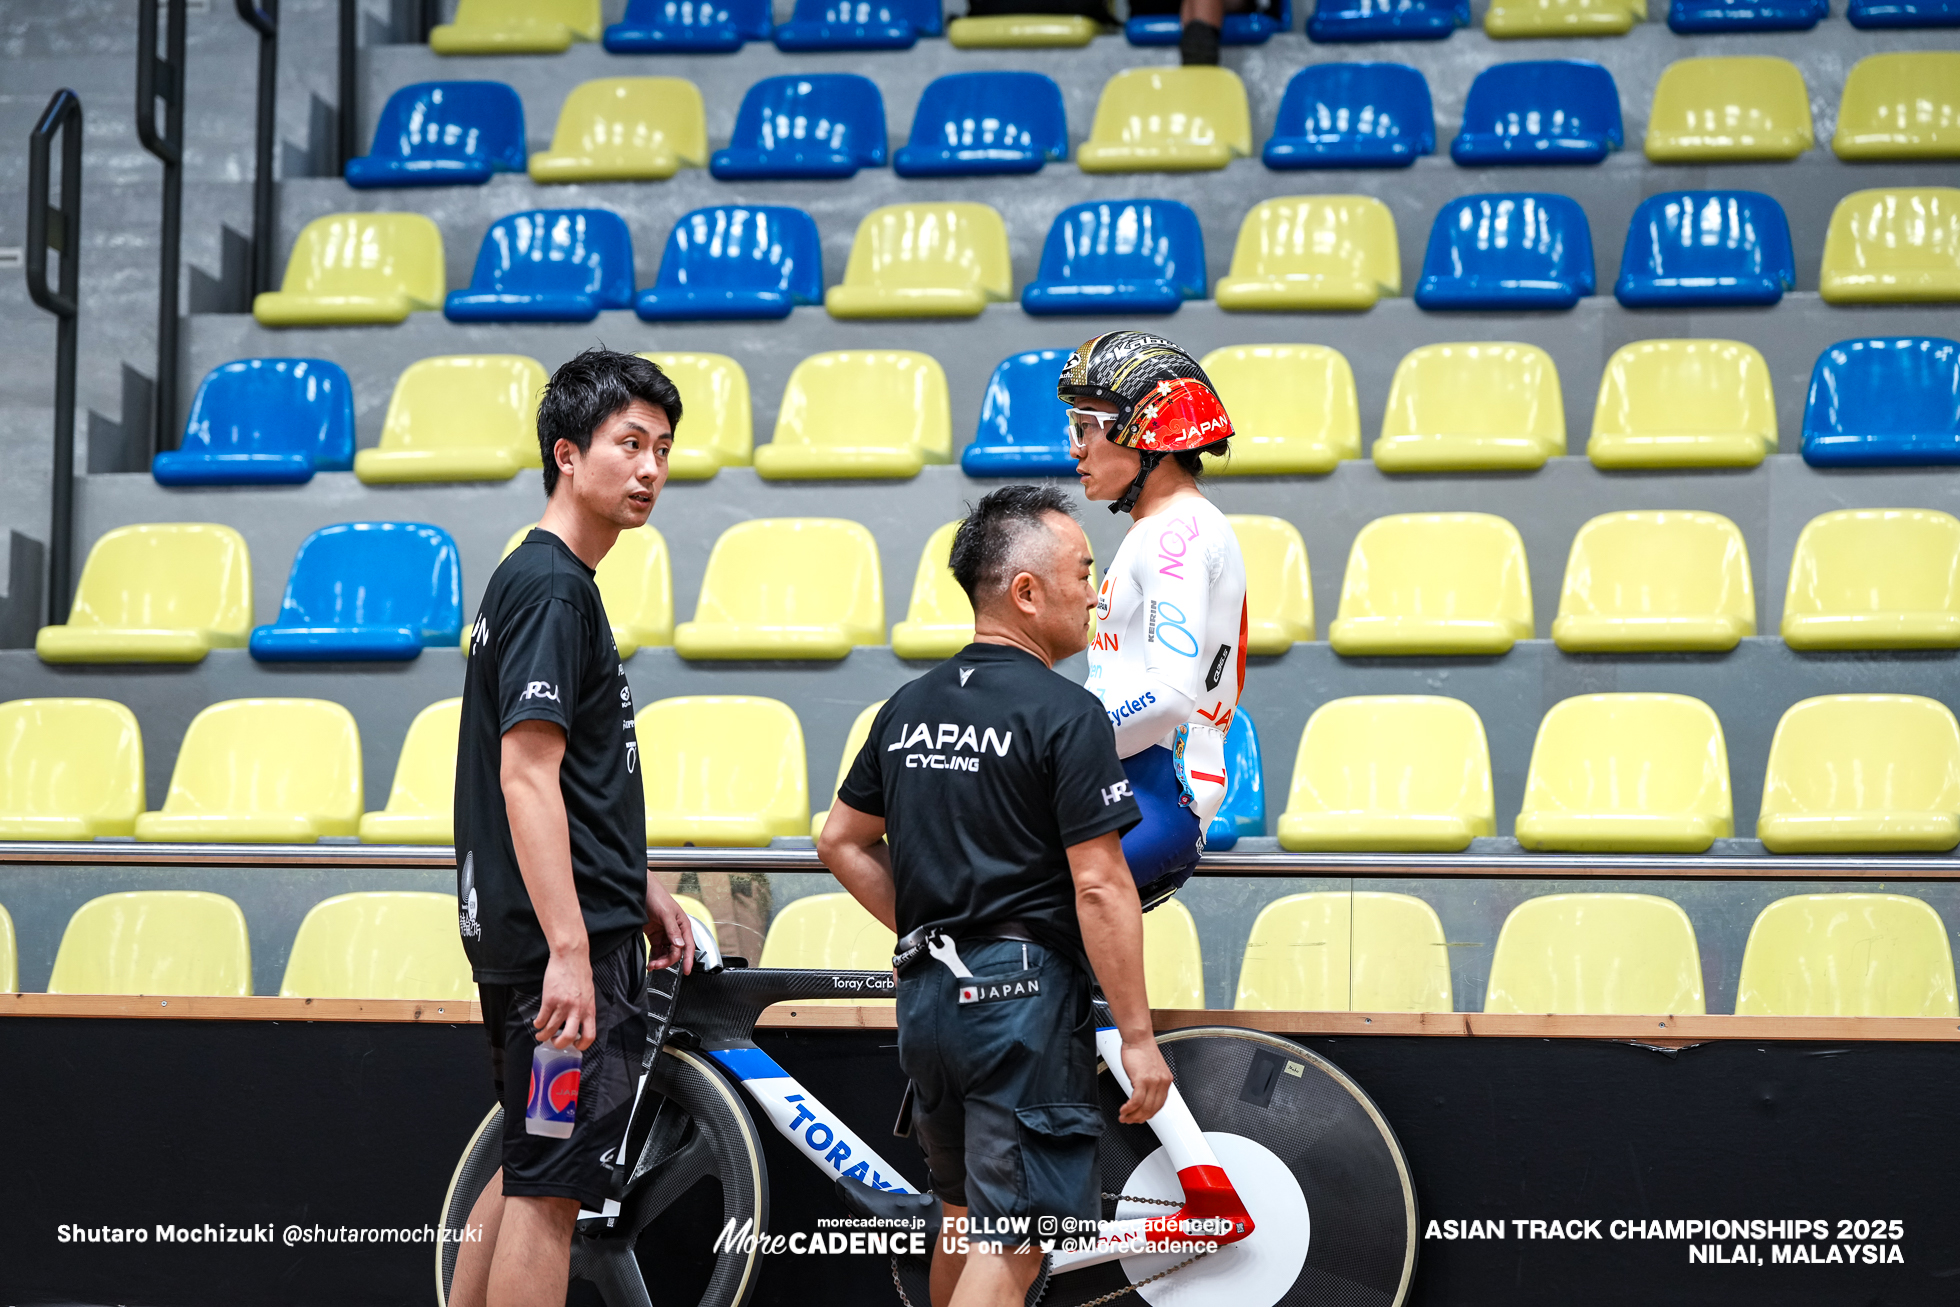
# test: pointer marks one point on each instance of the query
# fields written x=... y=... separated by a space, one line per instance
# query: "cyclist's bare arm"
x=853 y=847
x=1106 y=905
x=528 y=771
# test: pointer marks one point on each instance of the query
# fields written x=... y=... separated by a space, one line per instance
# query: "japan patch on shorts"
x=996 y=989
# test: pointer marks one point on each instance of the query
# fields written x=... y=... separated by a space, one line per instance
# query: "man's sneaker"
x=1199 y=44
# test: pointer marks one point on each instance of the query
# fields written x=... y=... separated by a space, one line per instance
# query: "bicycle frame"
x=718 y=1008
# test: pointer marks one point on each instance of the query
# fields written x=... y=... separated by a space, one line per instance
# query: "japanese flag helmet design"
x=1164 y=402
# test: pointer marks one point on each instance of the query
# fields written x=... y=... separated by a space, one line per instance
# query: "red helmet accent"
x=1164 y=401
x=1177 y=415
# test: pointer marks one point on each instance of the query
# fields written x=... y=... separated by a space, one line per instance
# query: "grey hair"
x=998 y=539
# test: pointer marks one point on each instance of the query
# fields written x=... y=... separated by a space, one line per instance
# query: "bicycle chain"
x=1134 y=1198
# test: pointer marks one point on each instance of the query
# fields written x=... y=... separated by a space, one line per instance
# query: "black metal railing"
x=346 y=146
x=163 y=79
x=58 y=227
x=263 y=18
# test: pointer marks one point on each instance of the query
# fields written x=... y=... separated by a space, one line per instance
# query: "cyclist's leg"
x=471 y=1285
x=533 y=1262
x=1163 y=847
x=988 y=1278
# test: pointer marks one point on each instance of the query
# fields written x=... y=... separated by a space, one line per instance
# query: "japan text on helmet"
x=1165 y=403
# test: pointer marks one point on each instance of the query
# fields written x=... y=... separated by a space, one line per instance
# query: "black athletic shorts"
x=1006 y=1081
x=538 y=1166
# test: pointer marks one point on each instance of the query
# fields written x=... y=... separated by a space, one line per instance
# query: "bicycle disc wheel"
x=1319 y=1170
x=702 y=1139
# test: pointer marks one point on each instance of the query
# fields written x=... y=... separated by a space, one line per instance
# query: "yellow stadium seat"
x=168 y=592
x=722 y=771
x=860 y=413
x=517 y=27
x=381 y=944
x=939 y=621
x=720 y=428
x=262 y=771
x=1684 y=403
x=698 y=910
x=625 y=129
x=853 y=742
x=1516 y=18
x=1472 y=407
x=1313 y=252
x=1901 y=106
x=1293 y=409
x=1389 y=772
x=1173 y=962
x=421 y=801
x=1596 y=955
x=1020 y=31
x=1893 y=245
x=1168 y=120
x=357 y=267
x=1337 y=951
x=1729 y=110
x=462 y=417
x=1278 y=588
x=70 y=769
x=1434 y=583
x=1847 y=955
x=1863 y=773
x=829 y=932
x=9 y=956
x=155 y=942
x=636 y=583
x=946 y=260
x=1875 y=578
x=1651 y=582
x=1627 y=773
x=789 y=587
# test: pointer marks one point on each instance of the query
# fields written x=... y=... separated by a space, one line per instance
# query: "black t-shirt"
x=542 y=649
x=986 y=769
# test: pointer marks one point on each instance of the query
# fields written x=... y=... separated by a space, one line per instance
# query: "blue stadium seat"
x=1119 y=256
x=444 y=134
x=736 y=261
x=1244 y=810
x=548 y=265
x=1903 y=13
x=983 y=124
x=367 y=592
x=1690 y=17
x=1352 y=115
x=1690 y=249
x=1239 y=29
x=264 y=422
x=805 y=125
x=688 y=26
x=1023 y=427
x=1887 y=401
x=1505 y=252
x=1335 y=21
x=860 y=24
x=1559 y=111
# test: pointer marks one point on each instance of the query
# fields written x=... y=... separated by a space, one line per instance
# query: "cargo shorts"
x=1005 y=1080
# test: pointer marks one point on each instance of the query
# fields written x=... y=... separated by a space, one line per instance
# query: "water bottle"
x=553 y=1106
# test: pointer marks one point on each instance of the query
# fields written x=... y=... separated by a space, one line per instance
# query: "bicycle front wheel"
x=671 y=1221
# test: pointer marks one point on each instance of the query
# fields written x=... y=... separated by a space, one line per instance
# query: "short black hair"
x=985 y=545
x=587 y=390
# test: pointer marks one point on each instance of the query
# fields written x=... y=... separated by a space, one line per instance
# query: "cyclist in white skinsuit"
x=1168 y=661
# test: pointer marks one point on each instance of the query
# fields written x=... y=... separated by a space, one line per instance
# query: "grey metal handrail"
x=58 y=228
x=163 y=79
x=263 y=18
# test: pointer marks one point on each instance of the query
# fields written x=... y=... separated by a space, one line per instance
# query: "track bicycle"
x=1258 y=1133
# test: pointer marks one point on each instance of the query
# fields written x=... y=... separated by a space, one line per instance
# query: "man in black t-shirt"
x=551 y=876
x=998 y=785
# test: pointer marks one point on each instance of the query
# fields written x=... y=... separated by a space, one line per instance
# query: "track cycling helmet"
x=1164 y=402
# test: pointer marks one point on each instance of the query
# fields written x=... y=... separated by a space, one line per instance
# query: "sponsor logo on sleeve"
x=539 y=690
x=1116 y=793
x=1217 y=672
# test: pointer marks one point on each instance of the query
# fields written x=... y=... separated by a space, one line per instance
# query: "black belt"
x=913 y=946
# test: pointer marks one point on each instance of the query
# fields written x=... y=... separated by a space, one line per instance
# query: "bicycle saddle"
x=887 y=1204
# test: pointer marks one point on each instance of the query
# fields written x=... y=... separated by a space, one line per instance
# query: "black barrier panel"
x=139 y=1123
